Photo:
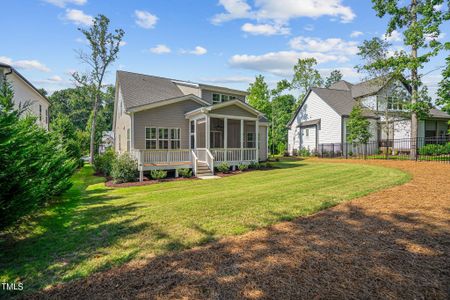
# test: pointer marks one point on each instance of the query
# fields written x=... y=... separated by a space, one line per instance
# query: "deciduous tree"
x=104 y=47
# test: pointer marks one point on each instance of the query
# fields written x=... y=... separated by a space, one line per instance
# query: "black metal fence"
x=420 y=149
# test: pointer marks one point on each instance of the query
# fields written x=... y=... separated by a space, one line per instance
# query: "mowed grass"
x=93 y=227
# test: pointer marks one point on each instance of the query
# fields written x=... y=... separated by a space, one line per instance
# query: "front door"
x=308 y=138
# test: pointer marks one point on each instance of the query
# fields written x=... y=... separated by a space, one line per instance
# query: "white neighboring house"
x=323 y=115
x=26 y=93
x=107 y=141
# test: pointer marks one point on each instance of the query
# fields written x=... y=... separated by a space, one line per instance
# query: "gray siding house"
x=170 y=124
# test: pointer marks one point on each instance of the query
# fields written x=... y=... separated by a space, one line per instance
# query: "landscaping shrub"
x=304 y=152
x=223 y=167
x=103 y=162
x=158 y=174
x=185 y=173
x=242 y=167
x=124 y=169
x=435 y=149
x=254 y=165
x=34 y=164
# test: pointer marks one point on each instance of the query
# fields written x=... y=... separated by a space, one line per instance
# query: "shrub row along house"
x=169 y=124
x=322 y=117
x=26 y=95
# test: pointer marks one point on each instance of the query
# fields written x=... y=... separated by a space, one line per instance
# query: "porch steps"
x=203 y=169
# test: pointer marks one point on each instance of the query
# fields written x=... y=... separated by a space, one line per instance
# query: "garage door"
x=308 y=136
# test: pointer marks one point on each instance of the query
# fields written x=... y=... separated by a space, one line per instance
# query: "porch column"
x=257 y=139
x=207 y=131
x=242 y=139
x=225 y=139
x=195 y=134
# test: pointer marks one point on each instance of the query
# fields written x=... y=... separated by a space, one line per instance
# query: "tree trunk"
x=415 y=88
x=93 y=124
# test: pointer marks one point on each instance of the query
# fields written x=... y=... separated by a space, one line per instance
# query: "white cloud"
x=145 y=19
x=438 y=7
x=25 y=64
x=331 y=45
x=283 y=11
x=160 y=49
x=347 y=72
x=395 y=36
x=63 y=3
x=355 y=34
x=51 y=80
x=430 y=38
x=229 y=79
x=236 y=9
x=78 y=17
x=265 y=29
x=199 y=50
x=280 y=63
x=122 y=43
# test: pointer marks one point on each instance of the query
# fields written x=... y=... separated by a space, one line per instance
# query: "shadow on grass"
x=69 y=237
x=344 y=253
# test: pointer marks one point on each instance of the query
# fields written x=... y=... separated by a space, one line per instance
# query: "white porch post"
x=195 y=134
x=242 y=140
x=207 y=131
x=257 y=139
x=225 y=138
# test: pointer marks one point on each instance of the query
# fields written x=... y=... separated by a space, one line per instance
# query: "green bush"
x=435 y=149
x=223 y=167
x=103 y=162
x=185 y=173
x=158 y=174
x=242 y=167
x=254 y=165
x=304 y=152
x=34 y=164
x=124 y=169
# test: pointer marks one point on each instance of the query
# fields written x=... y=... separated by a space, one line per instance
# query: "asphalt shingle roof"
x=339 y=100
x=139 y=89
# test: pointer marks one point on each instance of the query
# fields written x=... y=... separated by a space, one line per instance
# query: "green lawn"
x=93 y=227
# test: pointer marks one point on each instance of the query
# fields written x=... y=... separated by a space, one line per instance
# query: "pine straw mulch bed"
x=390 y=244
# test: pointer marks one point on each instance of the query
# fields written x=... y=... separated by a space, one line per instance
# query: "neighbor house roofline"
x=3 y=65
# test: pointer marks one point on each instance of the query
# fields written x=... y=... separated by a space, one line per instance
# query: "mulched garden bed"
x=147 y=181
x=237 y=172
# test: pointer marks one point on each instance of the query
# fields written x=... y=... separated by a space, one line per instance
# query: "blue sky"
x=223 y=42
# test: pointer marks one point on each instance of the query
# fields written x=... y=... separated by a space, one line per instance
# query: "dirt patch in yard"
x=390 y=244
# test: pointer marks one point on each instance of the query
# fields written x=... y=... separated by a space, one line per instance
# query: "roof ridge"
x=155 y=76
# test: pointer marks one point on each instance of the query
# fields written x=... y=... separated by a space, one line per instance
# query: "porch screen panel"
x=150 y=138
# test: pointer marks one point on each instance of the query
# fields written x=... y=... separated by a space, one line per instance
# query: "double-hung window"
x=128 y=139
x=150 y=138
x=394 y=103
x=175 y=138
x=163 y=138
x=40 y=113
x=216 y=98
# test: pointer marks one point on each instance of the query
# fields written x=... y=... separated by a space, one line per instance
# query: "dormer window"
x=219 y=98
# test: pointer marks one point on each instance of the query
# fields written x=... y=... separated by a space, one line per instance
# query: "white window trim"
x=157 y=139
x=221 y=98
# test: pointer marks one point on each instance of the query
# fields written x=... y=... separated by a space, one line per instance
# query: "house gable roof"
x=238 y=103
x=139 y=89
x=27 y=82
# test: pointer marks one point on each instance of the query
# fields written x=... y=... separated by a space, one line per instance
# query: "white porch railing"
x=162 y=156
x=183 y=156
x=194 y=162
x=234 y=154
